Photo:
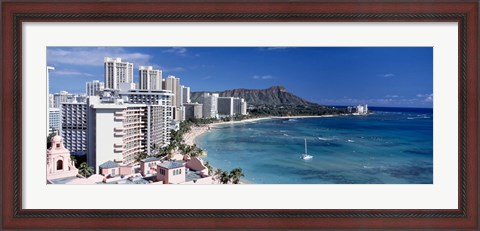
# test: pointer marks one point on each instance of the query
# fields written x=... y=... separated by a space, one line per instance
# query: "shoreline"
x=190 y=138
x=196 y=131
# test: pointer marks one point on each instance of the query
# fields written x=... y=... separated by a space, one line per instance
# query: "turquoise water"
x=391 y=146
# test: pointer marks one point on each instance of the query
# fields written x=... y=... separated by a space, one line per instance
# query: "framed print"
x=321 y=114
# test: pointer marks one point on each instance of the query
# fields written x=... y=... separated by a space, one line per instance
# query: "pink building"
x=171 y=172
x=59 y=163
x=112 y=169
x=148 y=166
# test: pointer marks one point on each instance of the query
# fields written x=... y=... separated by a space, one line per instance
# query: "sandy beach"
x=196 y=131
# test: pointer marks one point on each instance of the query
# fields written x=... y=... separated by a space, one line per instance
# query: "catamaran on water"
x=305 y=156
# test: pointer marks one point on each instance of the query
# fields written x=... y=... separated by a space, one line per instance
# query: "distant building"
x=225 y=106
x=185 y=94
x=59 y=163
x=210 y=105
x=362 y=109
x=172 y=84
x=49 y=98
x=239 y=106
x=193 y=110
x=55 y=119
x=149 y=79
x=63 y=97
x=116 y=72
x=94 y=87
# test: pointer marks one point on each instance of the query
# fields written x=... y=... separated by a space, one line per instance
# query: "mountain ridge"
x=274 y=96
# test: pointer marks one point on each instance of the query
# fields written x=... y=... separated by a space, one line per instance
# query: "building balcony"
x=119 y=113
x=119 y=149
x=119 y=117
x=119 y=133
x=118 y=129
x=118 y=145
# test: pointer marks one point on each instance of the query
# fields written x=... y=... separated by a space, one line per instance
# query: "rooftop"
x=150 y=159
x=172 y=164
x=109 y=164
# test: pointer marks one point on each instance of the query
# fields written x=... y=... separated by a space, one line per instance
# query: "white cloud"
x=425 y=97
x=93 y=56
x=392 y=96
x=262 y=77
x=181 y=51
x=173 y=69
x=69 y=73
x=386 y=75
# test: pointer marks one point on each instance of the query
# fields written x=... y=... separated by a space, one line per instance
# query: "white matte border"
x=443 y=194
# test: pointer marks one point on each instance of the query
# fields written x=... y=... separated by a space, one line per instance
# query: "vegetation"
x=292 y=110
x=85 y=170
x=225 y=177
x=140 y=156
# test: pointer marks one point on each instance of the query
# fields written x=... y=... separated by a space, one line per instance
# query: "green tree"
x=235 y=175
x=140 y=156
x=210 y=168
x=49 y=138
x=85 y=170
x=224 y=177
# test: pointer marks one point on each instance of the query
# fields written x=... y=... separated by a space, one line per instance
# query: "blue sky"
x=378 y=76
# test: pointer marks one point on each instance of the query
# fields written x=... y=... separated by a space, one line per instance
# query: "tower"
x=116 y=72
x=59 y=163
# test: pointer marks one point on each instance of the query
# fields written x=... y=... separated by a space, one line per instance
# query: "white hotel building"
x=94 y=87
x=114 y=131
x=150 y=79
x=116 y=72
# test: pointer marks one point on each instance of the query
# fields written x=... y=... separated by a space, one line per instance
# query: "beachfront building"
x=362 y=109
x=172 y=84
x=171 y=172
x=225 y=106
x=210 y=103
x=149 y=79
x=158 y=115
x=185 y=94
x=239 y=106
x=59 y=162
x=114 y=131
x=193 y=110
x=116 y=72
x=54 y=120
x=74 y=127
x=94 y=87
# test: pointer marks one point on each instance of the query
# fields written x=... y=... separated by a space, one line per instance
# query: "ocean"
x=390 y=146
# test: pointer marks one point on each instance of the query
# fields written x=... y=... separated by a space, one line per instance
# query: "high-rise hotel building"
x=158 y=116
x=225 y=106
x=210 y=105
x=94 y=87
x=74 y=127
x=116 y=72
x=150 y=79
x=173 y=84
x=114 y=131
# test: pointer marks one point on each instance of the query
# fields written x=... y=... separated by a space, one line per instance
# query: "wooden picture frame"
x=14 y=13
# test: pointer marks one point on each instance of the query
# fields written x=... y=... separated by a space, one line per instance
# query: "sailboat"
x=305 y=156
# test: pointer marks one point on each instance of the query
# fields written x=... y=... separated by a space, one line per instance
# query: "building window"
x=113 y=172
x=59 y=165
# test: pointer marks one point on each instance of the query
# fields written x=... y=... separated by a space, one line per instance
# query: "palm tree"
x=85 y=170
x=140 y=156
x=74 y=160
x=235 y=175
x=210 y=168
x=224 y=177
x=217 y=174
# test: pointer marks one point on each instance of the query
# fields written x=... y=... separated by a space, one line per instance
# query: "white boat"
x=305 y=156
